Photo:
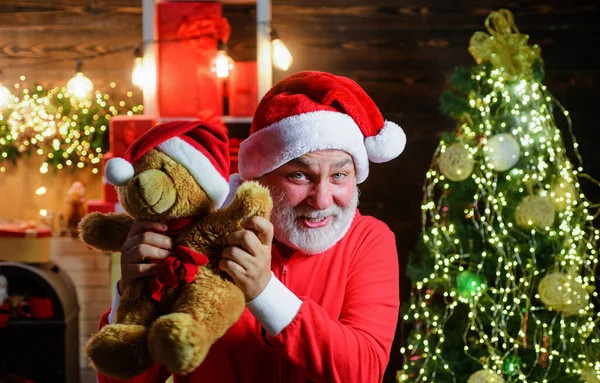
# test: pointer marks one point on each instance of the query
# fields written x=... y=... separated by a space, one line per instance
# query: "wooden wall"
x=402 y=52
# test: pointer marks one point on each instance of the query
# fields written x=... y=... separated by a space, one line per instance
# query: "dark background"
x=402 y=52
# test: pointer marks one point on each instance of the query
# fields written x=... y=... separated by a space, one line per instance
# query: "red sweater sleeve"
x=356 y=347
x=155 y=374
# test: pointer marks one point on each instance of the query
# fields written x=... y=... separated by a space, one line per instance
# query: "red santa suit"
x=328 y=317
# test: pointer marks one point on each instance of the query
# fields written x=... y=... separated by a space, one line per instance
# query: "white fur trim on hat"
x=387 y=144
x=294 y=136
x=118 y=171
x=200 y=167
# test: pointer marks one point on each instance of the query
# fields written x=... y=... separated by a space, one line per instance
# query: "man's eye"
x=338 y=176
x=298 y=176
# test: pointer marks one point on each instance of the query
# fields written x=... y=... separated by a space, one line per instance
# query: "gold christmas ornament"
x=535 y=210
x=563 y=194
x=562 y=293
x=589 y=375
x=455 y=164
x=503 y=151
x=485 y=376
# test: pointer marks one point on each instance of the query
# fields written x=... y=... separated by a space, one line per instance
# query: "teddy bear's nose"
x=157 y=189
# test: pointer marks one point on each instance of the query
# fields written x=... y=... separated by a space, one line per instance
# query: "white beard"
x=292 y=233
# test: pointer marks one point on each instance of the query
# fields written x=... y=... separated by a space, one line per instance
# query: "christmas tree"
x=503 y=276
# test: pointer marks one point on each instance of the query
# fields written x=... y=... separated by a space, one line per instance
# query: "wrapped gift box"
x=26 y=242
x=243 y=89
x=125 y=129
x=185 y=83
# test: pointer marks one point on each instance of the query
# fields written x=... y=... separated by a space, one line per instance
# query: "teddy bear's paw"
x=254 y=199
x=120 y=350
x=179 y=342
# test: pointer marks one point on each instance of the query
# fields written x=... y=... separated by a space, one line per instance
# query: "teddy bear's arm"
x=106 y=232
x=251 y=199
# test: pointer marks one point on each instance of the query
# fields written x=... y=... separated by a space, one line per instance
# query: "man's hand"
x=143 y=251
x=248 y=258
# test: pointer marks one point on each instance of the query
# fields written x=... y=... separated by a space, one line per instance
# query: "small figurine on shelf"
x=76 y=209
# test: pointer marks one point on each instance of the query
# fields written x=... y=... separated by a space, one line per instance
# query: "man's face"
x=314 y=200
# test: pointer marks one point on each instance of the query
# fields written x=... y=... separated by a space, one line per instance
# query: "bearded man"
x=321 y=281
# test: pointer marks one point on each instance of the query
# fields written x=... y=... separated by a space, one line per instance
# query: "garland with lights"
x=503 y=276
x=68 y=131
x=190 y=32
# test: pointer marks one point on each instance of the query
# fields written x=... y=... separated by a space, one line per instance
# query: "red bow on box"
x=202 y=33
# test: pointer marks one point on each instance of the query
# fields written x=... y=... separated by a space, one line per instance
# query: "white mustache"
x=318 y=214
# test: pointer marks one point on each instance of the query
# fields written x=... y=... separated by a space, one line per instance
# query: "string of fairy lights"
x=550 y=301
x=66 y=124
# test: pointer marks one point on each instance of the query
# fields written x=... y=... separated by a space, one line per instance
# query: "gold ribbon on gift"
x=504 y=47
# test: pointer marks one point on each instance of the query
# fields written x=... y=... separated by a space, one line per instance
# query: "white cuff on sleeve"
x=275 y=307
x=115 y=303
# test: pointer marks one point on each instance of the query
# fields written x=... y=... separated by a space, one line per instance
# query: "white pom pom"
x=387 y=144
x=118 y=171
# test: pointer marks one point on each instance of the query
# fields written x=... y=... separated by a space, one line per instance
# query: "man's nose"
x=321 y=196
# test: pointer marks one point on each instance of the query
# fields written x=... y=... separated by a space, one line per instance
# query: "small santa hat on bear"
x=202 y=148
x=311 y=111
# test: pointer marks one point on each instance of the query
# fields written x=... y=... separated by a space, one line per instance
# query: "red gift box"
x=125 y=129
x=243 y=89
x=186 y=84
x=25 y=242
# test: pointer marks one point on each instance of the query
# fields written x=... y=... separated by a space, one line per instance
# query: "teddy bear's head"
x=177 y=169
x=162 y=189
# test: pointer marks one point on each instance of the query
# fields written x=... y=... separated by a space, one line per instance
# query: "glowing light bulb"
x=80 y=86
x=41 y=191
x=282 y=58
x=5 y=96
x=222 y=65
x=138 y=75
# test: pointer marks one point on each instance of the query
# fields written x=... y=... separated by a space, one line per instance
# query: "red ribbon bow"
x=183 y=265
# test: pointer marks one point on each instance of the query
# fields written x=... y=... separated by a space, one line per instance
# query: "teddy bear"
x=176 y=173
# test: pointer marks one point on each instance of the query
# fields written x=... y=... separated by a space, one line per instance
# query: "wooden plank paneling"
x=438 y=14
x=32 y=16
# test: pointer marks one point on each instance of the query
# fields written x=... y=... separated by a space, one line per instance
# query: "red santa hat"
x=312 y=111
x=202 y=148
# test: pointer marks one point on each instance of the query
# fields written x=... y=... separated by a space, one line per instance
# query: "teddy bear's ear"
x=106 y=232
x=235 y=180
